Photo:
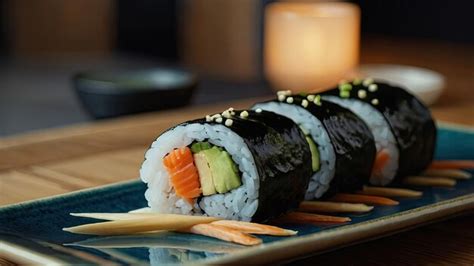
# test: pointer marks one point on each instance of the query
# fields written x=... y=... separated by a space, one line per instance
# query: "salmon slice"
x=381 y=159
x=183 y=174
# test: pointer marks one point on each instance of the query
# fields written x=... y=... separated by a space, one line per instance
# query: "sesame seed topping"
x=310 y=97
x=244 y=114
x=230 y=111
x=226 y=114
x=357 y=81
x=367 y=82
x=219 y=120
x=375 y=101
x=208 y=118
x=304 y=103
x=259 y=110
x=281 y=97
x=289 y=100
x=229 y=122
x=373 y=87
x=362 y=94
x=215 y=116
x=285 y=92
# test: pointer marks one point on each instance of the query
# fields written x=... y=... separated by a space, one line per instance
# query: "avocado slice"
x=231 y=174
x=314 y=153
x=223 y=170
x=205 y=174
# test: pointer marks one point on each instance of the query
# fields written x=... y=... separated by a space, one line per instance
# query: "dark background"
x=36 y=93
x=142 y=24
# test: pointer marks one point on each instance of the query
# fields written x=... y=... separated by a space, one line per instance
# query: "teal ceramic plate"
x=31 y=231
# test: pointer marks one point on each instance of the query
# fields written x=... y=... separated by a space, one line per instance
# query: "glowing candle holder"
x=310 y=46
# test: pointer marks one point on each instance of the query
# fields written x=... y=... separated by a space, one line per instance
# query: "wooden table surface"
x=57 y=161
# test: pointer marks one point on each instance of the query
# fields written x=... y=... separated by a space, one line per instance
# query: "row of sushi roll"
x=286 y=160
x=256 y=164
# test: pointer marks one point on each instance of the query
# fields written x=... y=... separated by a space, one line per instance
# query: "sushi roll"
x=241 y=165
x=402 y=126
x=342 y=146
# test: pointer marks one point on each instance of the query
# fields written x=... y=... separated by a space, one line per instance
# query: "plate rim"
x=339 y=235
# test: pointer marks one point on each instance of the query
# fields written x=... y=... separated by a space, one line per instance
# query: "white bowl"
x=426 y=84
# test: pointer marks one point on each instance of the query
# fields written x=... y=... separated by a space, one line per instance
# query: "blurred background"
x=43 y=43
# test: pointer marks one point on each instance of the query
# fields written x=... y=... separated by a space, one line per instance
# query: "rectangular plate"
x=31 y=231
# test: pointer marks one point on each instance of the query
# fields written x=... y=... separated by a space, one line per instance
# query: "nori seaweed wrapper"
x=282 y=158
x=352 y=141
x=410 y=121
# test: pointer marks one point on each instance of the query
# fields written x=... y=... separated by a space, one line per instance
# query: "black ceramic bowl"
x=111 y=94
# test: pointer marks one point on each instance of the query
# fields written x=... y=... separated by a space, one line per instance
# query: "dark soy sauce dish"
x=112 y=94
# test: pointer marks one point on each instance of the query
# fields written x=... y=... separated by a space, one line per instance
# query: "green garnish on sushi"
x=200 y=146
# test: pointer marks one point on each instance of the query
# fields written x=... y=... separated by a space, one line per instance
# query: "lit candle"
x=310 y=46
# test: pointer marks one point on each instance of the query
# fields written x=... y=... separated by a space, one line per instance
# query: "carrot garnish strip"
x=357 y=198
x=449 y=173
x=255 y=228
x=390 y=192
x=333 y=207
x=428 y=181
x=224 y=233
x=126 y=223
x=301 y=217
x=452 y=164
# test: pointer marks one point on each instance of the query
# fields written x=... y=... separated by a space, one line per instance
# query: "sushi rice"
x=319 y=182
x=238 y=204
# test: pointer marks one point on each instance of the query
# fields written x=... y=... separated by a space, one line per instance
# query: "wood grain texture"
x=56 y=161
x=118 y=134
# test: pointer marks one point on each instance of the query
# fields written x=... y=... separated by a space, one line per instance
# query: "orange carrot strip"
x=380 y=161
x=302 y=217
x=357 y=198
x=448 y=173
x=327 y=206
x=452 y=164
x=390 y=192
x=429 y=181
x=255 y=228
x=224 y=233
